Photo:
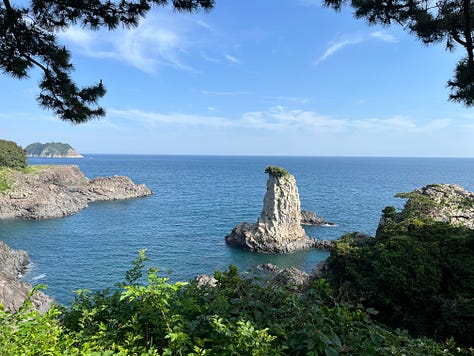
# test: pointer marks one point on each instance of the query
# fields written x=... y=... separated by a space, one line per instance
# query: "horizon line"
x=256 y=155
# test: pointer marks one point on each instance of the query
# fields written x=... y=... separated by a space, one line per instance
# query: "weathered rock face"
x=452 y=204
x=278 y=228
x=114 y=188
x=291 y=277
x=12 y=291
x=55 y=191
x=448 y=203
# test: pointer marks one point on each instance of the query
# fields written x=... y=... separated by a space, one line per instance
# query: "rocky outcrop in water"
x=55 y=191
x=13 y=292
x=278 y=228
x=310 y=218
x=449 y=203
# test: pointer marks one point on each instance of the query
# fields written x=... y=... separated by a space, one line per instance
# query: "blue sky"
x=254 y=78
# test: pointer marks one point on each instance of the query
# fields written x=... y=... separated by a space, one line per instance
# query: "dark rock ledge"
x=310 y=218
x=55 y=191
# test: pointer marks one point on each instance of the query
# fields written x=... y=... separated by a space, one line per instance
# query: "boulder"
x=291 y=277
x=206 y=280
x=278 y=229
x=310 y=218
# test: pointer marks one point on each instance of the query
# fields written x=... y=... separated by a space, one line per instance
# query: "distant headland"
x=52 y=150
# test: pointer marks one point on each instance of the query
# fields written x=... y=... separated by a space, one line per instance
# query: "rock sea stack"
x=54 y=191
x=278 y=229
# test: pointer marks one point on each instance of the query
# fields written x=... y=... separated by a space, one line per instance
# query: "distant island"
x=51 y=150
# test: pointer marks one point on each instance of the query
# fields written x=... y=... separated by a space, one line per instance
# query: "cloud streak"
x=157 y=41
x=338 y=46
x=232 y=59
x=351 y=40
x=281 y=119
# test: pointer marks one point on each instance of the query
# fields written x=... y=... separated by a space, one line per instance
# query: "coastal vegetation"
x=7 y=175
x=277 y=172
x=418 y=273
x=237 y=316
x=12 y=155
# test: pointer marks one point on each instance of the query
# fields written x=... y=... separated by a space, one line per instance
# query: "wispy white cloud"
x=397 y=122
x=281 y=119
x=339 y=45
x=157 y=41
x=153 y=119
x=232 y=59
x=354 y=39
x=160 y=40
x=208 y=58
x=291 y=99
x=226 y=93
x=205 y=25
x=383 y=36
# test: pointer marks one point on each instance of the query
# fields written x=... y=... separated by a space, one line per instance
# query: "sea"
x=197 y=201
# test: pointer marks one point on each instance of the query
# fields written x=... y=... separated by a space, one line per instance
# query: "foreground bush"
x=237 y=317
x=418 y=274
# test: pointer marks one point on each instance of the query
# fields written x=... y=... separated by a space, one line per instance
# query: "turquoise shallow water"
x=197 y=201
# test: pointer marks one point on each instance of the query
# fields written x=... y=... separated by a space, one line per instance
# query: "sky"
x=254 y=78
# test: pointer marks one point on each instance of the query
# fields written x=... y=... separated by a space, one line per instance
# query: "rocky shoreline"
x=54 y=191
x=48 y=192
x=13 y=292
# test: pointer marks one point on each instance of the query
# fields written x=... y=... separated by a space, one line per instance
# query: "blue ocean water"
x=197 y=201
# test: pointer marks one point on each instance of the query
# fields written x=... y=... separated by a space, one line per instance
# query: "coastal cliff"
x=278 y=229
x=54 y=191
x=13 y=292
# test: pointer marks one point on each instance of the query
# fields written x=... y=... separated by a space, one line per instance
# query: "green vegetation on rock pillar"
x=12 y=155
x=277 y=172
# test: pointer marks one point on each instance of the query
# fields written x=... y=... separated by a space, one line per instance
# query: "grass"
x=5 y=179
x=6 y=173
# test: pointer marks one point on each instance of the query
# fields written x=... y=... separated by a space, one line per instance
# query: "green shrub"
x=277 y=172
x=239 y=316
x=12 y=155
x=418 y=275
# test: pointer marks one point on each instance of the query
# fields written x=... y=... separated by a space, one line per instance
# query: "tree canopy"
x=448 y=21
x=28 y=39
x=12 y=155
